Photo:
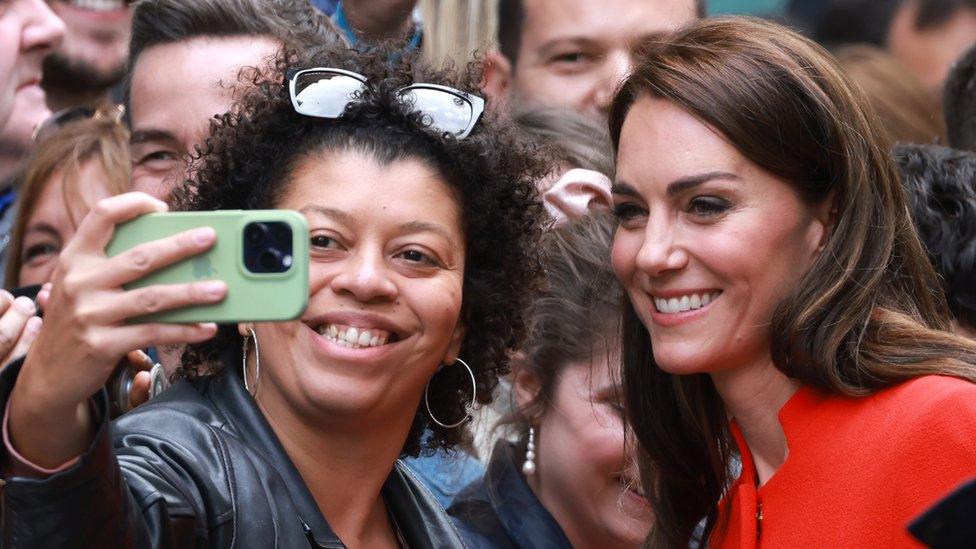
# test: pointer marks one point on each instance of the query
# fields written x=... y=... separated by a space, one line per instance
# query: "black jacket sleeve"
x=135 y=495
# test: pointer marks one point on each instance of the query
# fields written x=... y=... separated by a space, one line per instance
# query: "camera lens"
x=255 y=232
x=269 y=260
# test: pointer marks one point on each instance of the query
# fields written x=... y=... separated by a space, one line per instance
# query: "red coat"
x=859 y=469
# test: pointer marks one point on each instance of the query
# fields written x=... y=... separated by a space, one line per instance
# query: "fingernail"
x=25 y=305
x=214 y=288
x=6 y=295
x=34 y=324
x=204 y=235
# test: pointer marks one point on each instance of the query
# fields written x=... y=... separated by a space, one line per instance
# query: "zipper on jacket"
x=759 y=519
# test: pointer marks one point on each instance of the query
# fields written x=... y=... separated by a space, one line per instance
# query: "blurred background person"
x=71 y=169
x=907 y=111
x=184 y=61
x=29 y=31
x=574 y=53
x=568 y=479
x=926 y=36
x=959 y=102
x=941 y=185
x=88 y=66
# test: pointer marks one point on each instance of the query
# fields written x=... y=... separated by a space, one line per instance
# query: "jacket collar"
x=521 y=513
x=422 y=520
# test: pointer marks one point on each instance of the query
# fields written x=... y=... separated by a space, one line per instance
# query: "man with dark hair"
x=959 y=102
x=91 y=59
x=184 y=60
x=926 y=36
x=574 y=53
x=942 y=195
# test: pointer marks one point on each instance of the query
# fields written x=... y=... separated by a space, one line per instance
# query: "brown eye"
x=708 y=206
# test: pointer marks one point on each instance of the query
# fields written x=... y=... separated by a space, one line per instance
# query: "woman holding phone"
x=782 y=308
x=422 y=233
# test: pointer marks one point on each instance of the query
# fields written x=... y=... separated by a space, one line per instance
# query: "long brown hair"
x=867 y=315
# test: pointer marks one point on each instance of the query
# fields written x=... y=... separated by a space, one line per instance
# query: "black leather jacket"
x=198 y=466
x=501 y=510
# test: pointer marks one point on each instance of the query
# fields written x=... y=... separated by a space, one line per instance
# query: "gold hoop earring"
x=467 y=415
x=257 y=361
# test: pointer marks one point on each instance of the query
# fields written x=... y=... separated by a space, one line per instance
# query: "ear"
x=826 y=214
x=525 y=384
x=497 y=80
x=244 y=328
x=454 y=349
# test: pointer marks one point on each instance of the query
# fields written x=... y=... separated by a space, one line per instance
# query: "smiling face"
x=708 y=243
x=574 y=53
x=28 y=32
x=386 y=274
x=583 y=477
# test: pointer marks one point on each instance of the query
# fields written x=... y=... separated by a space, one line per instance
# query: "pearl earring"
x=529 y=466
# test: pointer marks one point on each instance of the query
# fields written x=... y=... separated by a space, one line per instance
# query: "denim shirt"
x=501 y=511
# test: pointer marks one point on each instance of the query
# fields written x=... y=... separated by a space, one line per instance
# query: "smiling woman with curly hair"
x=422 y=218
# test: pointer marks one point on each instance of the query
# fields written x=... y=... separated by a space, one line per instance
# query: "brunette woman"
x=72 y=168
x=782 y=308
x=569 y=480
x=422 y=219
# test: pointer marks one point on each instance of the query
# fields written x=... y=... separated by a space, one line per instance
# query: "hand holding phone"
x=86 y=325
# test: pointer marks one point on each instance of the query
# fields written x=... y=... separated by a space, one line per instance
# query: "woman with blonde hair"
x=74 y=166
x=782 y=308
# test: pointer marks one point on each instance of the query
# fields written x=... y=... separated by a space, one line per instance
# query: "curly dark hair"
x=252 y=151
x=939 y=181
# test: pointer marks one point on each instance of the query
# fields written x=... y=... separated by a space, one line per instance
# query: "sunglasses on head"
x=325 y=93
x=61 y=118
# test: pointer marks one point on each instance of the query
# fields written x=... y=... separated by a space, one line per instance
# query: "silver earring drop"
x=528 y=468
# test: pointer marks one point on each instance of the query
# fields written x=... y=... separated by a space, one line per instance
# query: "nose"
x=365 y=276
x=618 y=66
x=660 y=252
x=43 y=30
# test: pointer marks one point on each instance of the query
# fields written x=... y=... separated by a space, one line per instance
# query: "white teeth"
x=98 y=5
x=354 y=338
x=684 y=303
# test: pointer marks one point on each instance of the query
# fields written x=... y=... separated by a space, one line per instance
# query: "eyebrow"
x=144 y=136
x=43 y=228
x=410 y=227
x=675 y=187
x=580 y=41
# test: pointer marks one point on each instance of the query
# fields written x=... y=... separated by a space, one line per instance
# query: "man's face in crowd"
x=929 y=53
x=574 y=53
x=96 y=42
x=176 y=91
x=28 y=32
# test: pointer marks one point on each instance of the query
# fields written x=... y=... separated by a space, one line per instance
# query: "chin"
x=682 y=358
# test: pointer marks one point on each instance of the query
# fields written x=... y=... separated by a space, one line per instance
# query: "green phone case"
x=250 y=296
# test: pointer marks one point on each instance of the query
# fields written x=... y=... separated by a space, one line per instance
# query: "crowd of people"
x=630 y=275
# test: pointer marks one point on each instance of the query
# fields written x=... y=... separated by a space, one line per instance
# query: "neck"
x=754 y=395
x=575 y=527
x=335 y=459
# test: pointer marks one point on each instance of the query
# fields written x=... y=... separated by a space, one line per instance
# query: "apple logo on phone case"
x=203 y=268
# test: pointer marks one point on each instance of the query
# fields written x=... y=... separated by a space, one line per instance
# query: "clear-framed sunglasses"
x=64 y=117
x=325 y=93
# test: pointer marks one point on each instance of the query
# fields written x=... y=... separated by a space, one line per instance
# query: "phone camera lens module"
x=256 y=232
x=268 y=247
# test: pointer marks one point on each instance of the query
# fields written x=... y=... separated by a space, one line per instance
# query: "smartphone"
x=262 y=256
